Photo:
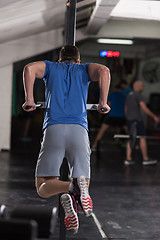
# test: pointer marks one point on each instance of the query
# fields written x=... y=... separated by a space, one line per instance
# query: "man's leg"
x=49 y=186
x=128 y=160
x=99 y=136
x=143 y=147
x=128 y=151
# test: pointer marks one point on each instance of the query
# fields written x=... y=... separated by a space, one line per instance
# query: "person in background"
x=134 y=103
x=115 y=118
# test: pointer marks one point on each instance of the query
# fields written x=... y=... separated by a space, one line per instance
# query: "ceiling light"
x=115 y=41
x=138 y=9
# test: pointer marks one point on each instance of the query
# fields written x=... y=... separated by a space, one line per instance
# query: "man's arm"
x=30 y=73
x=101 y=73
x=149 y=112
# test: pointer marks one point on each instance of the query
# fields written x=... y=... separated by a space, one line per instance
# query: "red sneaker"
x=84 y=199
x=70 y=209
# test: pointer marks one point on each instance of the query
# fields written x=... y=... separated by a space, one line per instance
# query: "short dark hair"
x=69 y=53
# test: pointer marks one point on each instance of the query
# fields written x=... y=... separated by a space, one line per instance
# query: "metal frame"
x=70 y=23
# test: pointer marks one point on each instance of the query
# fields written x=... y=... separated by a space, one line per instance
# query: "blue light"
x=103 y=53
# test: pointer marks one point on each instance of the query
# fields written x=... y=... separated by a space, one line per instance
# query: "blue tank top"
x=66 y=91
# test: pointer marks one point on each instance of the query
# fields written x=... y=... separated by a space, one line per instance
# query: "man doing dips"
x=65 y=127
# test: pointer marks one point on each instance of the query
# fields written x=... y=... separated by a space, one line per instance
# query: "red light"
x=116 y=54
x=112 y=54
x=109 y=54
x=106 y=53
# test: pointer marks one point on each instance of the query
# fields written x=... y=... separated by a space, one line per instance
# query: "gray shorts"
x=64 y=140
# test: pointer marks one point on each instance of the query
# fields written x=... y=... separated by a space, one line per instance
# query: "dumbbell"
x=28 y=222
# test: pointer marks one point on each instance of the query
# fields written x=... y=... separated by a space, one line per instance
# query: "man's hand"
x=104 y=106
x=31 y=106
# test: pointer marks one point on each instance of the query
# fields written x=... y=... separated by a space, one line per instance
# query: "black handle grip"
x=37 y=106
x=27 y=107
x=104 y=109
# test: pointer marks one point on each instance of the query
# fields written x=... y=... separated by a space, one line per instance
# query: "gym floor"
x=126 y=199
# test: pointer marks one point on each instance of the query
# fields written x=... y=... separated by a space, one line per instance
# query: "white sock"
x=71 y=186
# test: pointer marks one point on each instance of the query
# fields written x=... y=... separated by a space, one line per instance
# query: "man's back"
x=66 y=93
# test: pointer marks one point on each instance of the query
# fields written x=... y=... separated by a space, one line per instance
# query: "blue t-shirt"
x=117 y=100
x=66 y=91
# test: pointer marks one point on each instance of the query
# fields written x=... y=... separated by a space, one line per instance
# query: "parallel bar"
x=90 y=106
x=127 y=137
